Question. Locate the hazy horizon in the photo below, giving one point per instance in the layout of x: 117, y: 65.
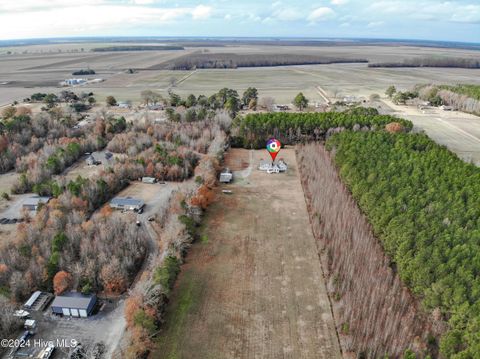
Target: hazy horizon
x: 452, y: 21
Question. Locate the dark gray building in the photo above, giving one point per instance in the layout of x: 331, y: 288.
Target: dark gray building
x: 74, y: 304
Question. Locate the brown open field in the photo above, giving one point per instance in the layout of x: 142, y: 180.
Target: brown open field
x: 253, y: 286
x: 40, y: 70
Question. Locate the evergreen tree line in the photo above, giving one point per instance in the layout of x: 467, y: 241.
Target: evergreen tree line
x: 423, y: 203
x: 376, y: 316
x: 253, y: 130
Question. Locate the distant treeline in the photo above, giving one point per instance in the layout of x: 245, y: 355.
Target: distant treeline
x: 464, y: 98
x: 83, y: 72
x: 432, y: 62
x: 233, y: 61
x: 137, y: 48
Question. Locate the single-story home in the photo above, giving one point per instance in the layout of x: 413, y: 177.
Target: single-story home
x: 32, y: 203
x: 74, y: 304
x: 127, y: 203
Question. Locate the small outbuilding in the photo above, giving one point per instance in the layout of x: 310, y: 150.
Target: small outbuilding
x: 38, y: 301
x: 127, y: 203
x: 226, y: 176
x: 32, y: 203
x: 150, y: 180
x: 73, y: 304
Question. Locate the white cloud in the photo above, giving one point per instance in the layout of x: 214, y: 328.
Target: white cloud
x: 375, y: 24
x: 201, y: 12
x: 143, y: 2
x: 228, y: 17
x: 38, y: 5
x: 287, y: 14
x: 429, y: 10
x: 338, y: 2
x: 321, y: 14
x: 91, y: 19
x: 345, y: 24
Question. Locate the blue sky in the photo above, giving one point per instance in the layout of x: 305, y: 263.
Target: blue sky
x: 407, y: 19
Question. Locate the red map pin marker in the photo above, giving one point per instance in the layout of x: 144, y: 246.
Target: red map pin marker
x: 273, y: 147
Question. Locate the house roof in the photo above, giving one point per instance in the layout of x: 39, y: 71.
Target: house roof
x: 73, y: 300
x: 35, y: 200
x: 126, y: 201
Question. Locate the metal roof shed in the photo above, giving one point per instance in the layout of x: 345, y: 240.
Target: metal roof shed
x: 32, y: 299
x: 32, y: 203
x: 74, y: 304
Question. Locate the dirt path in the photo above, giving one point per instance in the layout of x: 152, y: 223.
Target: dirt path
x: 323, y: 94
x: 253, y: 286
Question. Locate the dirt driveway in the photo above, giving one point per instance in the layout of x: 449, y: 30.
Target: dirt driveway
x: 252, y: 287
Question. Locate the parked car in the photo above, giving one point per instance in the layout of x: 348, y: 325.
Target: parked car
x: 48, y: 351
x: 23, y: 314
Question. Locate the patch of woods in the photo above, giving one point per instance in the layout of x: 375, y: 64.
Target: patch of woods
x: 137, y: 48
x: 145, y: 308
x: 252, y: 130
x: 423, y: 204
x: 37, y: 167
x: 8, y: 322
x: 462, y: 97
x: 193, y: 108
x: 22, y: 133
x: 454, y: 62
x: 95, y: 253
x: 465, y: 98
x: 375, y: 314
x: 100, y: 250
x: 232, y: 61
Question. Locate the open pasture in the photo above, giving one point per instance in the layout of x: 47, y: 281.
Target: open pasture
x: 41, y: 68
x: 253, y: 286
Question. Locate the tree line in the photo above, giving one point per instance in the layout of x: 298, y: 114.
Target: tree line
x: 375, y: 318
x: 465, y: 98
x: 423, y: 203
x: 466, y: 63
x: 252, y: 130
x: 233, y: 61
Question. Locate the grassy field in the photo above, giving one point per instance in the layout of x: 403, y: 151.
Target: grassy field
x: 40, y: 69
x: 253, y: 286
